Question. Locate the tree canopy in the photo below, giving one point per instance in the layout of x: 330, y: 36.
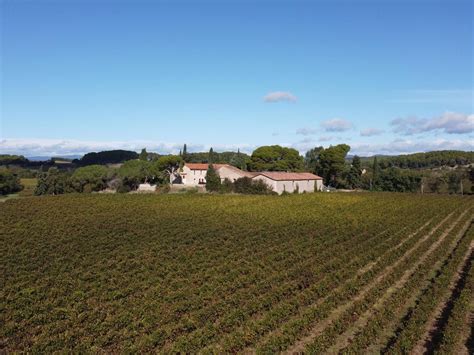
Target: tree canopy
x: 89, y: 178
x: 6, y: 159
x: 167, y: 167
x: 276, y: 158
x: 53, y: 182
x: 332, y: 162
x: 107, y: 157
x: 432, y: 159
x: 135, y: 172
x: 143, y: 155
x: 9, y: 182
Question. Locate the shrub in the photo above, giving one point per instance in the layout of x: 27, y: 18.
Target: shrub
x: 9, y: 183
x: 123, y: 188
x: 163, y: 189
x: 246, y: 185
x: 227, y: 186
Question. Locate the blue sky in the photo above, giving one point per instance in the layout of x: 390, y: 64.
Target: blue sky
x: 383, y: 76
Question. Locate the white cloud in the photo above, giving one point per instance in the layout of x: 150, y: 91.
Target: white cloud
x: 449, y: 122
x: 279, y: 96
x: 56, y: 147
x: 336, y: 125
x: 395, y: 147
x: 369, y: 132
x: 306, y: 131
x: 407, y: 146
x: 326, y: 138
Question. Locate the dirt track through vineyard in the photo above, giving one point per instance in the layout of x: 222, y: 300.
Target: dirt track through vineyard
x: 300, y: 346
x: 422, y: 345
x: 363, y: 270
x: 345, y: 339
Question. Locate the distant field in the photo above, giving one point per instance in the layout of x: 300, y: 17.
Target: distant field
x: 352, y: 273
x: 29, y: 187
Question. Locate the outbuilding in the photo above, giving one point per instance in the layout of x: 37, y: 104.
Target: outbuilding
x: 195, y: 173
x: 291, y: 182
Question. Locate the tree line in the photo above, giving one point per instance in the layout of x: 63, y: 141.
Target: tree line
x: 331, y: 163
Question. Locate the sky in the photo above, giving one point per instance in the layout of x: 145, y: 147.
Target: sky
x: 385, y: 77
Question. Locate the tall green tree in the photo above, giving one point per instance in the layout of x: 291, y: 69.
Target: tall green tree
x: 276, y: 158
x: 143, y: 155
x: 9, y: 183
x: 54, y: 182
x: 355, y: 173
x: 89, y: 178
x: 333, y: 162
x: 311, y: 160
x: 239, y: 160
x: 166, y: 168
x: 454, y: 182
x: 213, y: 180
x: 212, y: 157
x: 184, y: 154
x: 356, y: 163
x: 375, y: 174
x: 135, y: 172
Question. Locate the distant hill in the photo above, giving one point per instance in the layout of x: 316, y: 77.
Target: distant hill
x: 107, y: 157
x: 45, y: 158
x: 432, y: 159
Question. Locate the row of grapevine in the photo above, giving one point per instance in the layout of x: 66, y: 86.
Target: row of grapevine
x: 203, y: 273
x: 305, y: 321
x: 421, y: 261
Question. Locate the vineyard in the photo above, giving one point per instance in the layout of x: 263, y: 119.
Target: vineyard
x: 337, y: 273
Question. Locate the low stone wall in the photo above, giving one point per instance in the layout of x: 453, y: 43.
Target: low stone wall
x: 146, y: 188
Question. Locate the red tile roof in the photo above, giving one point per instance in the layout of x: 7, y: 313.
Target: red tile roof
x: 203, y: 166
x: 284, y: 176
x: 273, y: 175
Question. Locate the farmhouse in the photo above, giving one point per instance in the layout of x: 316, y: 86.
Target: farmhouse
x: 194, y: 174
x: 290, y: 182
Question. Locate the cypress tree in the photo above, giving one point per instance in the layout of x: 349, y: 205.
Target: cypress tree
x: 213, y: 180
x: 211, y: 156
x: 375, y: 173
x: 185, y: 152
x: 143, y: 155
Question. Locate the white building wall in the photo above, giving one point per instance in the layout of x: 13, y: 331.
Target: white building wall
x: 290, y: 185
x: 319, y: 185
x: 193, y: 177
x: 229, y: 173
x: 146, y: 188
x: 269, y: 182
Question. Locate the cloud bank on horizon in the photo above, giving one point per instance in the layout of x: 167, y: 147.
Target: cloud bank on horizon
x: 450, y: 122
